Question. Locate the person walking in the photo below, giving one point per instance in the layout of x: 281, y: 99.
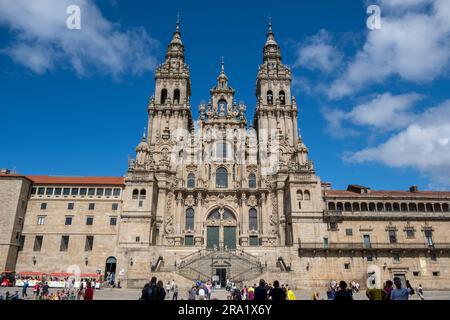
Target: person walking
x: 160, y: 292
x: 175, y: 293
x: 409, y: 288
x: 419, y: 291
x: 343, y: 294
x: 399, y: 293
x: 168, y: 288
x: 89, y: 292
x: 24, y: 289
x: 261, y: 291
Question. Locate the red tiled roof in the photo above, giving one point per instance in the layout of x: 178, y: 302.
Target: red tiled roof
x: 68, y: 180
x: 387, y: 193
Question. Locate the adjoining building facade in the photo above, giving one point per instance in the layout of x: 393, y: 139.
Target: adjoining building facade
x: 224, y: 199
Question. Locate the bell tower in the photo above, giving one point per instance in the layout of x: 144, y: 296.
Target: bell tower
x: 169, y: 108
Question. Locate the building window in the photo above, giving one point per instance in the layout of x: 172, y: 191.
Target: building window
x: 221, y: 178
x: 91, y: 206
x: 58, y: 191
x: 396, y: 257
x: 116, y: 192
x: 191, y: 180
x: 332, y: 226
x: 66, y: 191
x: 189, y: 219
x: 41, y: 191
x: 113, y: 221
x: 254, y: 241
x: 115, y: 207
x: 433, y: 257
x: 269, y: 97
x: 138, y: 239
x: 41, y: 220
x: 64, y: 243
x: 429, y: 237
x: 253, y: 219
x: 252, y: 181
x: 43, y: 206
x: 221, y: 151
x: 392, y: 236
x: 74, y: 191
x: 108, y: 192
x: 307, y: 196
x: 91, y: 192
x: 83, y: 191
x: 416, y: 273
x: 163, y: 96
x: 141, y: 203
x: 89, y: 244
x: 366, y: 241
x: 142, y: 194
x: 33, y: 190
x: 410, y: 233
x: 189, y: 240
x: 347, y: 266
x: 135, y: 195
x: 176, y: 96
x: 70, y: 206
x: 348, y: 232
x: 282, y: 96
x: 100, y: 191
x: 68, y: 221
x: 436, y: 273
x: 369, y: 258
x: 49, y: 192
x: 38, y: 243
x: 326, y: 243
x: 89, y: 221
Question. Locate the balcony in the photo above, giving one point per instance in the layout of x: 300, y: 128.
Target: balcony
x: 359, y: 246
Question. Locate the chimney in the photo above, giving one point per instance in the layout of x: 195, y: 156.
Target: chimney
x: 413, y: 189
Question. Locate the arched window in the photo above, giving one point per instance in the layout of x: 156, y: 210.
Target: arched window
x: 445, y: 207
x: 356, y: 206
x: 307, y: 196
x: 412, y: 207
x: 364, y: 206
x: 221, y: 151
x: 421, y: 207
x: 163, y: 96
x: 331, y: 206
x: 221, y: 178
x: 299, y: 195
x: 189, y: 219
x: 176, y: 96
x: 404, y: 207
x: 437, y: 207
x: 142, y: 194
x: 388, y: 207
x: 282, y: 96
x: 371, y: 206
x: 348, y: 206
x: 339, y: 206
x: 222, y: 105
x: 253, y: 219
x: 396, y: 207
x: 191, y: 180
x: 252, y: 181
x: 269, y: 97
x: 380, y: 206
x: 429, y: 207
x: 135, y: 194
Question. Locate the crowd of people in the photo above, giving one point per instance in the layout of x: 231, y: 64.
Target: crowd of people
x: 265, y: 291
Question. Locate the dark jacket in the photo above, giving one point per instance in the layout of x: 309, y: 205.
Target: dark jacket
x: 151, y: 292
x: 160, y: 294
x: 277, y: 294
x: 260, y: 294
x: 343, y: 295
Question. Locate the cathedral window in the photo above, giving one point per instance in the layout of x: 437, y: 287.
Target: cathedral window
x: 348, y: 206
x: 282, y: 96
x: 364, y: 206
x: 404, y: 207
x: 221, y: 151
x: 176, y: 96
x: 380, y: 206
x: 163, y: 96
x: 445, y: 207
x: 253, y: 219
x: 356, y: 206
x: 142, y: 194
x: 412, y: 207
x: 437, y: 207
x: 189, y: 219
x: 135, y: 194
x: 306, y: 195
x: 300, y: 195
x: 221, y: 178
x: 269, y: 97
x: 191, y: 180
x: 331, y: 205
x: 339, y: 206
x: 252, y: 181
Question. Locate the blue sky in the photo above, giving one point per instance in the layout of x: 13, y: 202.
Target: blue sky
x: 374, y: 104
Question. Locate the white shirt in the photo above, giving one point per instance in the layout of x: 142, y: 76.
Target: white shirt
x: 201, y: 292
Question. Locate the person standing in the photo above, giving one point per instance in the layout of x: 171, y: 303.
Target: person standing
x: 175, y: 293
x: 399, y: 293
x: 24, y: 289
x: 277, y: 293
x: 261, y: 291
x: 290, y: 293
x: 192, y: 293
x: 409, y: 288
x: 201, y: 293
x: 388, y: 289
x: 89, y: 292
x: 160, y: 292
x: 343, y: 294
x: 251, y: 292
x: 419, y: 291
x: 151, y: 290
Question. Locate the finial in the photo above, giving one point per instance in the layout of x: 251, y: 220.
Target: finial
x: 270, y: 23
x: 143, y: 135
x: 178, y: 21
x: 222, y: 62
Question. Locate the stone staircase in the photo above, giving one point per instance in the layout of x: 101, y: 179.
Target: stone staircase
x: 201, y: 265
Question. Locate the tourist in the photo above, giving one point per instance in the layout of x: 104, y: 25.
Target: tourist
x: 192, y: 293
x: 151, y: 289
x: 201, y: 293
x: 24, y: 289
x: 175, y: 293
x: 144, y: 292
x: 399, y: 293
x: 331, y: 291
x: 168, y: 288
x: 45, y: 289
x: 251, y: 292
x: 290, y: 293
x: 343, y: 294
x: 160, y: 292
x: 261, y: 291
x: 374, y: 293
x: 388, y: 287
x: 209, y: 289
x: 419, y: 291
x: 277, y: 293
x: 409, y: 288
x: 244, y: 293
x: 89, y: 292
x: 315, y: 295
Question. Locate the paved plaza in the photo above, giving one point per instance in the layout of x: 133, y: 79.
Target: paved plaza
x: 221, y: 294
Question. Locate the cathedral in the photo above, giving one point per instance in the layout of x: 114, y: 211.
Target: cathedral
x: 222, y: 198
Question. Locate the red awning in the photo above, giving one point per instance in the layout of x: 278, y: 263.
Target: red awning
x: 31, y: 273
x: 89, y: 275
x: 60, y: 274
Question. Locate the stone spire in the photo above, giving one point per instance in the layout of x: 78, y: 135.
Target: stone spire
x: 271, y: 49
x: 176, y: 47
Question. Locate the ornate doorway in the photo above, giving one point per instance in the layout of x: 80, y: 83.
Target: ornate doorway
x: 221, y: 230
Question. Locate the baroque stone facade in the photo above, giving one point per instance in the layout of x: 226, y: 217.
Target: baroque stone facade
x: 221, y: 199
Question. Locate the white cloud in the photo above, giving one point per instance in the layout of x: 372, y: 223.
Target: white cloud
x: 318, y: 53
x: 42, y: 42
x: 384, y: 112
x: 412, y: 44
x: 423, y: 145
